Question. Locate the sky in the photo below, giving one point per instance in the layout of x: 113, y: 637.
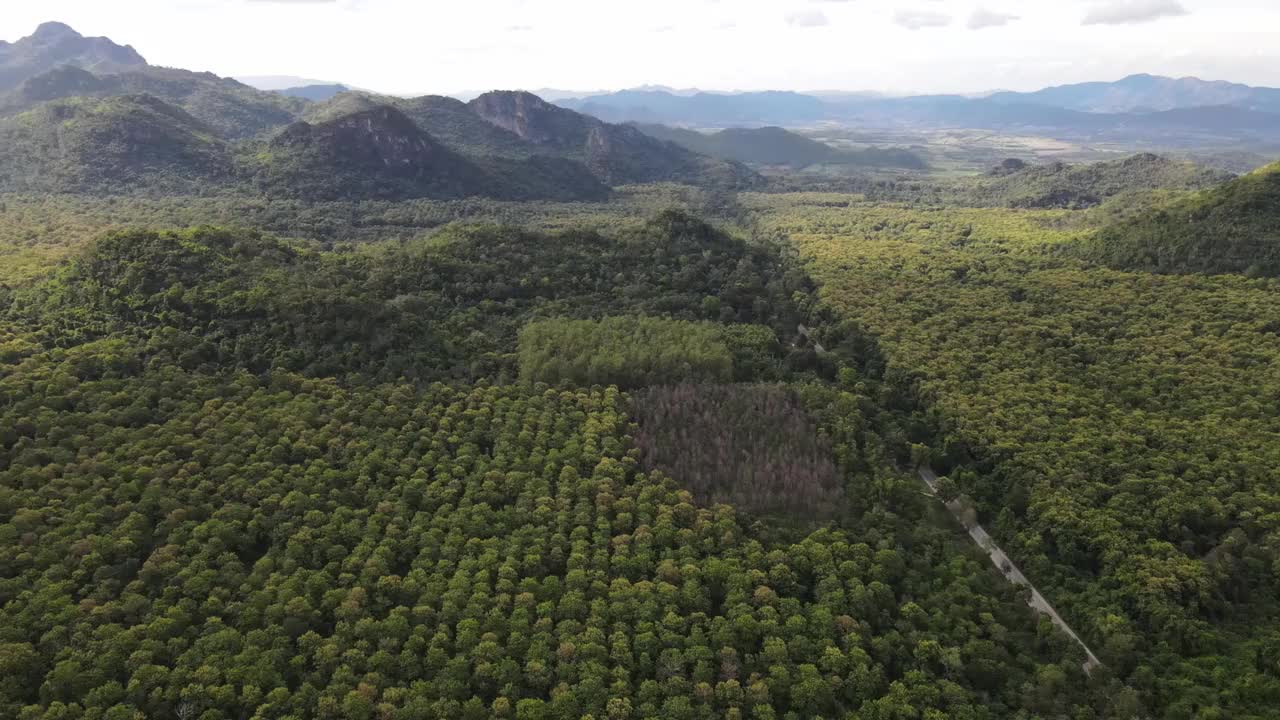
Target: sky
x: 913, y: 46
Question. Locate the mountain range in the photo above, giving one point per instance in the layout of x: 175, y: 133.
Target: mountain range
x: 1147, y: 93
x: 132, y: 127
x: 81, y: 114
x: 1137, y: 108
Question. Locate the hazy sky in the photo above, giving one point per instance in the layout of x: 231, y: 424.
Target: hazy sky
x: 412, y: 46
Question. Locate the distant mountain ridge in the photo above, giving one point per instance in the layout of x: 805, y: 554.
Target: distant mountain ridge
x: 1147, y: 93
x: 54, y: 44
x: 275, y: 83
x: 1138, y: 107
x: 775, y: 146
x: 703, y: 108
x: 314, y: 93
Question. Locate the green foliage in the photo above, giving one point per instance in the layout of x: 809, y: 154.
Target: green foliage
x: 36, y: 231
x: 235, y: 545
x: 228, y: 488
x: 1234, y: 228
x: 1015, y: 184
x: 110, y: 146
x: 1115, y: 430
x: 450, y: 306
x: 625, y: 351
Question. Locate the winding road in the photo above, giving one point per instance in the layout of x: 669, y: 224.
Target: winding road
x: 1010, y: 570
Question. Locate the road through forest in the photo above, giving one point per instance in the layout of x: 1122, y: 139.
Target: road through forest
x: 1008, y: 568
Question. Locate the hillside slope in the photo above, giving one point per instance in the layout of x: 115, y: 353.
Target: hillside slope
x: 617, y: 154
x: 110, y: 145
x: 458, y: 125
x: 446, y: 119
x: 382, y: 153
x: 1233, y: 228
x: 231, y: 108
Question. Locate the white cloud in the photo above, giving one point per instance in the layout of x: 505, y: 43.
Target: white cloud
x: 1125, y: 12
x: 808, y: 19
x: 382, y: 46
x: 983, y: 18
x: 919, y: 19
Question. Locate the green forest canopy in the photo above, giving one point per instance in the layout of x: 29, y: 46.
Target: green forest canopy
x: 200, y: 520
x: 1117, y: 430
x: 625, y: 351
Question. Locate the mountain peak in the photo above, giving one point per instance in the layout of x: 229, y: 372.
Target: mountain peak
x: 54, y: 44
x: 54, y: 31
x: 1142, y: 77
x: 512, y: 98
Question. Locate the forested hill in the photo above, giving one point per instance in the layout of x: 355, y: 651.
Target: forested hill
x: 142, y: 145
x: 235, y: 110
x: 382, y: 153
x: 111, y: 145
x: 1233, y: 228
x: 235, y: 297
x: 1058, y: 185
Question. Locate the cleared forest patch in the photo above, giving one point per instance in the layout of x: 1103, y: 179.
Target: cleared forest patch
x: 751, y: 446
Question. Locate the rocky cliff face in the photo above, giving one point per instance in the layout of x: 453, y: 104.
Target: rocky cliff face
x: 533, y: 119
x: 54, y: 44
